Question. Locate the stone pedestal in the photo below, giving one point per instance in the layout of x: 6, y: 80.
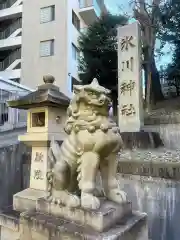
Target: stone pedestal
x: 100, y: 220
x: 48, y: 221
x: 38, y: 226
x: 26, y: 199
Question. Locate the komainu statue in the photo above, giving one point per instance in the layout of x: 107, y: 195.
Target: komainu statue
x: 90, y: 148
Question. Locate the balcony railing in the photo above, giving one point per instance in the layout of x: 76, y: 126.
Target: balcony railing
x: 8, y: 116
x: 10, y: 59
x: 90, y: 3
x: 10, y: 29
x: 7, y: 4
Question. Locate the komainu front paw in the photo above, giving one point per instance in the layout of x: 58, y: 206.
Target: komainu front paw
x: 65, y: 198
x: 73, y: 201
x: 116, y: 195
x: 89, y: 201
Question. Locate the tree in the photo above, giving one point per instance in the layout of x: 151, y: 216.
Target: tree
x: 173, y: 70
x: 149, y: 16
x: 98, y: 46
x: 169, y: 31
x: 174, y: 80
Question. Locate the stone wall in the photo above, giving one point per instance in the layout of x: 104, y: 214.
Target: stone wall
x: 167, y: 124
x: 169, y: 134
x: 14, y: 171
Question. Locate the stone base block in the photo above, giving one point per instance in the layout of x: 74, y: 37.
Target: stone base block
x: 26, y: 199
x: 104, y: 218
x: 39, y: 226
x: 9, y: 225
x: 10, y: 220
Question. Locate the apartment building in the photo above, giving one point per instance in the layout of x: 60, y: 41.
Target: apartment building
x: 49, y: 39
x: 39, y: 37
x: 10, y: 39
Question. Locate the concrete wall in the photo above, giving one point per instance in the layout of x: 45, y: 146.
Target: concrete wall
x: 14, y: 175
x: 160, y: 200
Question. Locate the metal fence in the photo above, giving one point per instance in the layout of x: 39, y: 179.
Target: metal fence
x: 11, y: 28
x: 7, y: 4
x: 10, y: 59
x: 10, y: 117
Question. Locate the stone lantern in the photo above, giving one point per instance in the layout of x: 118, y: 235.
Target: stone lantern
x: 45, y: 119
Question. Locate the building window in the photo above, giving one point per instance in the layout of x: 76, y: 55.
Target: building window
x: 75, y: 52
x: 47, y: 48
x: 75, y: 21
x: 47, y: 14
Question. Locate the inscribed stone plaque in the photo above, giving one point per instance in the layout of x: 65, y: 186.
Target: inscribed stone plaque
x: 130, y: 107
x: 39, y: 168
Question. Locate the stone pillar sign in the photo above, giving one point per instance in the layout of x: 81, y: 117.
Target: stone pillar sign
x: 130, y: 109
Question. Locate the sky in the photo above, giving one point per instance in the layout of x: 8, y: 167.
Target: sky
x: 115, y: 5
x: 112, y: 5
